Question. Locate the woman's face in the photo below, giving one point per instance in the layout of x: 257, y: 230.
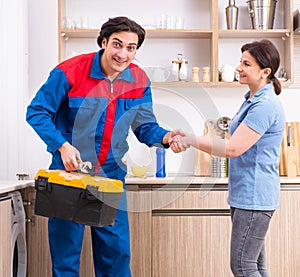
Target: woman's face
x: 250, y: 72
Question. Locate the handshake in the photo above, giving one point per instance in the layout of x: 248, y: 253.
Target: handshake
x: 178, y: 140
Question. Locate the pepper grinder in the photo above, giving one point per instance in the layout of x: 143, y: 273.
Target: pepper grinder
x: 195, y: 74
x: 205, y: 77
x: 231, y: 15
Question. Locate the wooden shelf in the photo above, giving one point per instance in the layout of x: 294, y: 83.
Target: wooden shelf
x: 93, y: 33
x: 271, y: 33
x: 79, y: 33
x: 188, y: 84
x: 196, y: 84
x: 206, y: 42
x: 209, y: 84
x: 178, y: 34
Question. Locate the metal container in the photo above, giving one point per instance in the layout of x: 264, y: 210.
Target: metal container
x: 261, y: 13
x: 218, y: 167
x: 231, y: 15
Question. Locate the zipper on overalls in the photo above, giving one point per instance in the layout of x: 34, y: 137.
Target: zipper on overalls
x: 111, y: 85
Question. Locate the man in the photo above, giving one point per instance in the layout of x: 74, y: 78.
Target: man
x: 83, y: 112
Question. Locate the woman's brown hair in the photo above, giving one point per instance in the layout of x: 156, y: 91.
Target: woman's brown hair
x: 267, y: 56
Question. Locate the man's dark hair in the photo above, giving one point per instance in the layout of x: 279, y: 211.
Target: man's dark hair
x: 121, y: 24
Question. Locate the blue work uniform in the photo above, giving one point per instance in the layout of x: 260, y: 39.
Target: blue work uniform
x: 79, y: 104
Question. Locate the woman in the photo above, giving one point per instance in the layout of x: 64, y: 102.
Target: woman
x: 253, y: 150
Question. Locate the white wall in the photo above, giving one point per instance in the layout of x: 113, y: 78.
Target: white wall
x: 43, y: 56
x: 28, y: 50
x: 14, y: 72
x: 20, y: 148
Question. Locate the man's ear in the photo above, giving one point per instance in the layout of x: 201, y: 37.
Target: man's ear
x: 104, y: 43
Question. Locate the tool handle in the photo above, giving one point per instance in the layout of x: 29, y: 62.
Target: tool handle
x: 289, y: 136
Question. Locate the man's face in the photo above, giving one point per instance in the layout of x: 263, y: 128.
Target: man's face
x: 119, y: 51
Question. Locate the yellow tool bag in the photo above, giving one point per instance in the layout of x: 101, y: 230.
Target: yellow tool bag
x: 85, y: 199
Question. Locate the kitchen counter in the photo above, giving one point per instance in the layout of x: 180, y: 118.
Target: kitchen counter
x: 190, y: 180
x: 12, y: 185
x: 190, y: 216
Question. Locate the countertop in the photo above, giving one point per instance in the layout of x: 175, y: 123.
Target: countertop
x: 12, y: 185
x: 186, y: 180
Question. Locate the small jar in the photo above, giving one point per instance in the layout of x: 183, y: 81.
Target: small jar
x: 205, y: 77
x: 195, y: 74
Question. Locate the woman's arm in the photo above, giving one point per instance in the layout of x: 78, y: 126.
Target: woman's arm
x: 241, y: 140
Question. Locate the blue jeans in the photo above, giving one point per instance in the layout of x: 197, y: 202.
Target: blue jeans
x: 247, y: 249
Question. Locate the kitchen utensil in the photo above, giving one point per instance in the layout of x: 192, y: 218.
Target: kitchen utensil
x: 228, y: 73
x: 218, y: 167
x: 204, y: 163
x: 202, y: 160
x: 262, y: 13
x: 289, y: 164
x: 205, y: 76
x: 183, y: 71
x: 85, y: 167
x: 139, y: 171
x: 195, y: 74
x: 174, y: 71
x: 231, y: 15
x: 160, y: 74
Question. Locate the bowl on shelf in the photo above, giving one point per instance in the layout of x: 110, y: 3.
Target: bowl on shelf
x: 139, y: 171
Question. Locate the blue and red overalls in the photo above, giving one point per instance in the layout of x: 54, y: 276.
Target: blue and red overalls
x: 79, y: 104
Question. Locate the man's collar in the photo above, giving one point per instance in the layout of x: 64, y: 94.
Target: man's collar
x: 97, y: 73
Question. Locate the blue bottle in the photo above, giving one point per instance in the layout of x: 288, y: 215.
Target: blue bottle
x: 160, y: 163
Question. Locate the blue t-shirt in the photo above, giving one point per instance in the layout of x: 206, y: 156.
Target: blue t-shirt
x: 254, y: 182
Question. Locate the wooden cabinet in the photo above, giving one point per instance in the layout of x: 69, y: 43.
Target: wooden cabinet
x: 139, y: 215
x: 283, y: 238
x: 176, y: 232
x: 5, y: 237
x: 203, y: 41
x: 191, y: 239
x: 38, y: 253
x: 190, y: 244
x: 190, y: 233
